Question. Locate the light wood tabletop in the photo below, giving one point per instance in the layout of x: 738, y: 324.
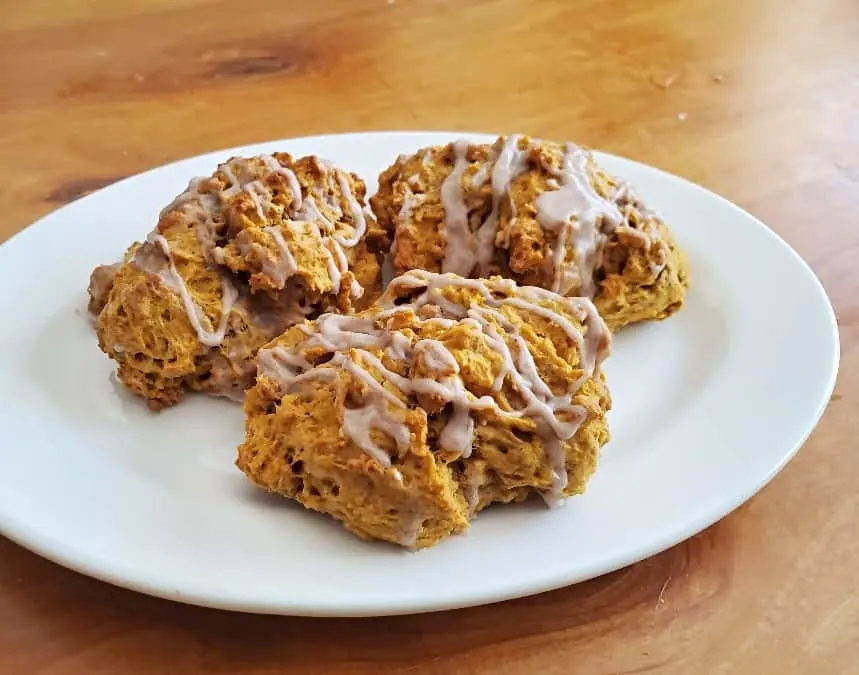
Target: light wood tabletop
x: 756, y: 100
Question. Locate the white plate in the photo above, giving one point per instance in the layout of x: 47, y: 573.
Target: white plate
x: 708, y: 407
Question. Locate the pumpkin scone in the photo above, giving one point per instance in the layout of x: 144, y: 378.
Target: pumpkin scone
x: 542, y: 213
x: 234, y: 260
x: 447, y: 395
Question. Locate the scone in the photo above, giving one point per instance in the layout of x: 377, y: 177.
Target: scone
x: 447, y: 395
x: 538, y: 212
x: 234, y: 261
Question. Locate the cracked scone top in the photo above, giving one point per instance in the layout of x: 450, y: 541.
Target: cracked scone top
x: 447, y: 395
x: 233, y: 261
x: 538, y: 212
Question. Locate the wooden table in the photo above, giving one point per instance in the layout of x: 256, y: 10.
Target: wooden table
x: 756, y: 99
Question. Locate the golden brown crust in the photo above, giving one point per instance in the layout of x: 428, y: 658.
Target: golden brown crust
x: 253, y: 248
x: 294, y: 447
x: 217, y: 238
x: 642, y: 274
x: 299, y: 444
x: 633, y: 290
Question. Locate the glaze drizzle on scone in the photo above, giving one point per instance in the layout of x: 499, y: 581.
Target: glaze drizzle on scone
x: 347, y: 340
x: 301, y: 214
x: 541, y: 213
x: 570, y: 210
x: 234, y: 260
x: 446, y: 396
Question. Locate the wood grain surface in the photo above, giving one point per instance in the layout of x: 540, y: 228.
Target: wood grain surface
x: 755, y: 99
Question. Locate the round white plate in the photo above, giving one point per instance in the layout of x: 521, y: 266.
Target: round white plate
x: 708, y: 407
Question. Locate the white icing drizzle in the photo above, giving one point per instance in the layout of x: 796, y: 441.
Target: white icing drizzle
x: 300, y: 208
x: 339, y: 255
x: 550, y: 315
x: 234, y: 186
x: 372, y: 383
x: 283, y: 366
x: 459, y: 256
x: 556, y: 416
x: 541, y: 404
x: 187, y: 196
x: 509, y: 165
x: 330, y: 196
x: 436, y: 357
x: 575, y: 212
x: 174, y: 280
x: 571, y: 210
x: 480, y: 176
x: 339, y: 332
x: 334, y: 270
x: 358, y: 422
x: 295, y: 187
x: 463, y: 250
x: 305, y: 210
x: 400, y: 347
x: 290, y: 369
x: 332, y: 244
x: 257, y: 193
x: 403, y: 215
x: 261, y: 199
x: 287, y: 267
x: 310, y: 211
x: 458, y: 433
x: 359, y: 223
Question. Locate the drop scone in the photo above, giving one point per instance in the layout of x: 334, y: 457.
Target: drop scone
x: 236, y: 259
x: 541, y: 213
x: 447, y: 395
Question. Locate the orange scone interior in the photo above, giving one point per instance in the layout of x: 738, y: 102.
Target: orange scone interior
x: 541, y: 213
x: 235, y: 260
x: 447, y: 395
